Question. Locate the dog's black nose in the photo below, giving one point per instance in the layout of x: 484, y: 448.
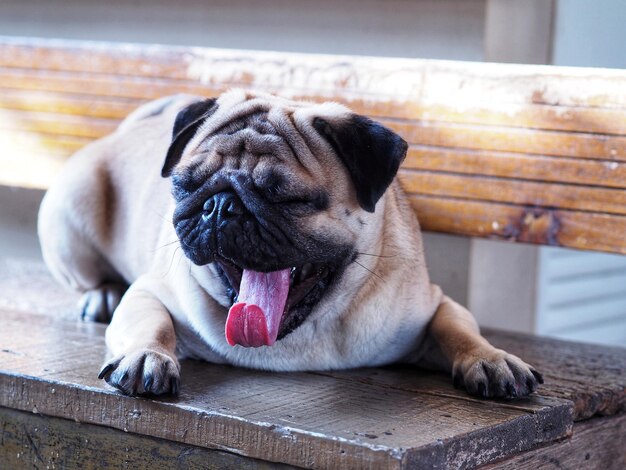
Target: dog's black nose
x: 222, y: 206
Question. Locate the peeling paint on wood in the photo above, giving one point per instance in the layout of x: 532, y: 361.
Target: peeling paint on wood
x: 576, y: 229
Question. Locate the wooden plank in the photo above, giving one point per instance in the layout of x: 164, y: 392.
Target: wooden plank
x: 597, y: 444
x: 513, y: 191
x: 63, y: 124
x: 504, y: 121
x: 600, y: 120
x: 72, y: 104
x: 581, y: 230
x: 528, y: 96
x: 564, y: 363
x: 590, y: 376
x: 603, y: 173
x: 477, y: 218
x: 518, y: 84
x: 593, y: 377
x: 299, y: 419
x: 34, y: 441
x: 507, y: 139
x: 565, y: 366
x: 440, y: 134
x: 105, y: 86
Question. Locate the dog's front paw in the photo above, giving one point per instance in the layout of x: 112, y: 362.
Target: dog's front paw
x: 144, y: 372
x: 494, y: 373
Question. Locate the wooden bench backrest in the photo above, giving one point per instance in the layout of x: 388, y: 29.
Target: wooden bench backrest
x: 527, y: 153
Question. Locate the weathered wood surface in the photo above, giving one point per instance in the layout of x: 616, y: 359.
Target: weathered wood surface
x: 32, y: 441
x: 529, y: 224
x: 527, y: 153
x: 49, y: 367
x: 376, y: 418
x: 595, y: 444
x: 27, y: 286
x: 592, y: 377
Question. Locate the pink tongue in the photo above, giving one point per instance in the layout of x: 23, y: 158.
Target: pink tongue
x: 254, y: 320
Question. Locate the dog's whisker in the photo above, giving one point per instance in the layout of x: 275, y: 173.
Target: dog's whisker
x: 161, y: 216
x: 171, y: 261
x: 369, y: 270
x: 182, y: 255
x: 166, y: 245
x: 361, y: 253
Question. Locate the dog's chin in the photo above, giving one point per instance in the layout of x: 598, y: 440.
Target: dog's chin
x: 308, y: 284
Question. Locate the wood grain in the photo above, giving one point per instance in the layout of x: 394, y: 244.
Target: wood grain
x: 541, y: 168
x: 528, y: 224
x: 514, y: 191
x: 566, y: 365
x: 597, y: 444
x: 433, y: 133
x: 523, y: 153
x: 413, y: 419
x: 560, y: 86
x: 607, y: 121
x: 593, y: 377
x: 300, y: 419
x: 35, y: 441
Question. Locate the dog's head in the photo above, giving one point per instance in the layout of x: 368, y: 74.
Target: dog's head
x: 273, y: 193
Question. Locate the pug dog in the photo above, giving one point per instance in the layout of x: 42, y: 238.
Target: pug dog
x: 260, y: 232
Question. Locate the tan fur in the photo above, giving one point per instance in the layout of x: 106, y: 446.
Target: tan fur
x: 108, y: 220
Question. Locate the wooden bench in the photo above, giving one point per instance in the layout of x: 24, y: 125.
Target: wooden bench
x: 522, y: 153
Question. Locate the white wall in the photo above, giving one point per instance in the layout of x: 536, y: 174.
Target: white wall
x: 18, y: 223
x: 590, y: 33
x: 581, y: 296
x: 450, y: 29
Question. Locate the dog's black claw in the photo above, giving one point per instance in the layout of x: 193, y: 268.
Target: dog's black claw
x: 457, y: 381
x: 174, y: 386
x: 124, y: 377
x: 510, y: 390
x: 147, y: 383
x: 537, y: 375
x: 106, y: 370
x: 482, y: 390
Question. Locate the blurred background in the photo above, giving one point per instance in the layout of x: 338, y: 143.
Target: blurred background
x: 549, y: 291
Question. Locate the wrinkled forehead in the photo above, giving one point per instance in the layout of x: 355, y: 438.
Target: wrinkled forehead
x: 269, y: 114
x: 262, y: 124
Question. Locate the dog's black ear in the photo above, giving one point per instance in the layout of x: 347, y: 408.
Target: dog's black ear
x: 371, y: 152
x: 186, y: 124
